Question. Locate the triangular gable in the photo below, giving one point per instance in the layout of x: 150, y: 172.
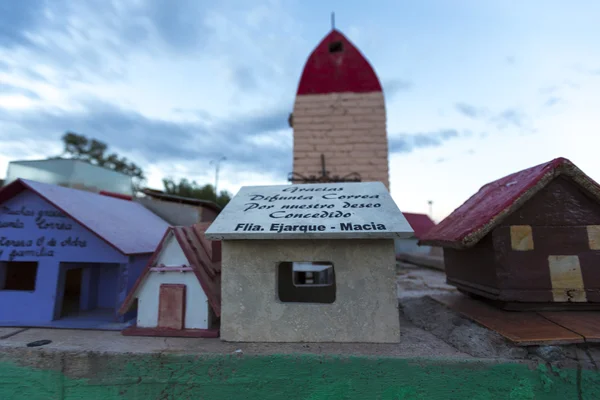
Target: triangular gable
x: 207, y: 271
x: 345, y: 71
x: 196, y: 250
x: 485, y: 210
x: 125, y: 225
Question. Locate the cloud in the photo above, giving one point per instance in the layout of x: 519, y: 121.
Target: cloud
x: 179, y: 23
x: 244, y: 78
x: 94, y: 41
x: 155, y: 140
x: 509, y: 117
x: 88, y: 39
x: 552, y: 101
x: 18, y: 19
x: 406, y: 143
x: 470, y: 111
x: 80, y: 40
x: 6, y: 88
x: 547, y: 90
x: 394, y: 86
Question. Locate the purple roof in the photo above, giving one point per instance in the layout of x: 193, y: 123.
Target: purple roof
x: 126, y: 225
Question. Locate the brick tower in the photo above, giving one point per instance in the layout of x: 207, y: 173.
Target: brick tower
x: 339, y: 117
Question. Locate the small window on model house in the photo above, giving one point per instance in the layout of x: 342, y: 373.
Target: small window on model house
x: 306, y: 282
x: 18, y: 275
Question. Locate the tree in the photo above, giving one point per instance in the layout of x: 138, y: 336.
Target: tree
x: 79, y: 147
x: 185, y: 188
x: 93, y: 151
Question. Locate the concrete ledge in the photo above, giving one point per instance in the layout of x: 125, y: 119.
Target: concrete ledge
x: 422, y: 260
x: 42, y: 374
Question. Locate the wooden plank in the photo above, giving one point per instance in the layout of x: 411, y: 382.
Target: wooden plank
x: 567, y: 280
x: 521, y: 328
x: 171, y: 306
x: 585, y: 323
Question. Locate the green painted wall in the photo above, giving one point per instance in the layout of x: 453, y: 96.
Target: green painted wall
x: 287, y: 377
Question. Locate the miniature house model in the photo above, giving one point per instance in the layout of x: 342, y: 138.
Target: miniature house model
x: 529, y: 240
x: 339, y: 117
x: 179, y: 292
x: 310, y: 263
x: 68, y: 256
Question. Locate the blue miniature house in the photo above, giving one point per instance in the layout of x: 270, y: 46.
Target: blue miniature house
x: 69, y: 257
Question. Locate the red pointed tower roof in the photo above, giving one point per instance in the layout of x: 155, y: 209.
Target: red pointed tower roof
x: 337, y: 66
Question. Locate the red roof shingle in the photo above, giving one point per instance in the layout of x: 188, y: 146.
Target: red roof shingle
x: 481, y: 213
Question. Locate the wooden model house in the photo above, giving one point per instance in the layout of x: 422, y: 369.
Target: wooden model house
x: 310, y: 263
x: 179, y: 292
x: 528, y: 240
x: 68, y: 256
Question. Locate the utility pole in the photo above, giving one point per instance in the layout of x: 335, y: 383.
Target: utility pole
x: 217, y: 164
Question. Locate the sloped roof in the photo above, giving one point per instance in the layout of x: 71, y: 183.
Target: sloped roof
x: 421, y: 223
x: 481, y: 213
x: 337, y: 72
x: 180, y: 199
x: 125, y: 225
x: 199, y: 252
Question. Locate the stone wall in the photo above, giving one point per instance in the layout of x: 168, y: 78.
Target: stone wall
x: 365, y: 307
x: 348, y: 128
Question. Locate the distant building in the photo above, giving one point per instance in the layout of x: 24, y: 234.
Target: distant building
x: 76, y: 174
x: 177, y: 210
x: 421, y: 224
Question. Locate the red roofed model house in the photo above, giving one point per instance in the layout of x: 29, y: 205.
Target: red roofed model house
x: 179, y: 292
x: 339, y: 117
x: 528, y: 240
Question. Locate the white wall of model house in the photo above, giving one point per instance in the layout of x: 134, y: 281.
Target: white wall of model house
x: 198, y: 314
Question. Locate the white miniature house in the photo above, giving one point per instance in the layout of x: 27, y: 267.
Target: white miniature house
x: 179, y: 293
x: 310, y: 263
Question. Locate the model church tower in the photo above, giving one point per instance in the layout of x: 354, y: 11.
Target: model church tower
x: 339, y: 118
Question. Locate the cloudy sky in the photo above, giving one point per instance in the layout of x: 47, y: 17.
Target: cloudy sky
x: 475, y: 89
